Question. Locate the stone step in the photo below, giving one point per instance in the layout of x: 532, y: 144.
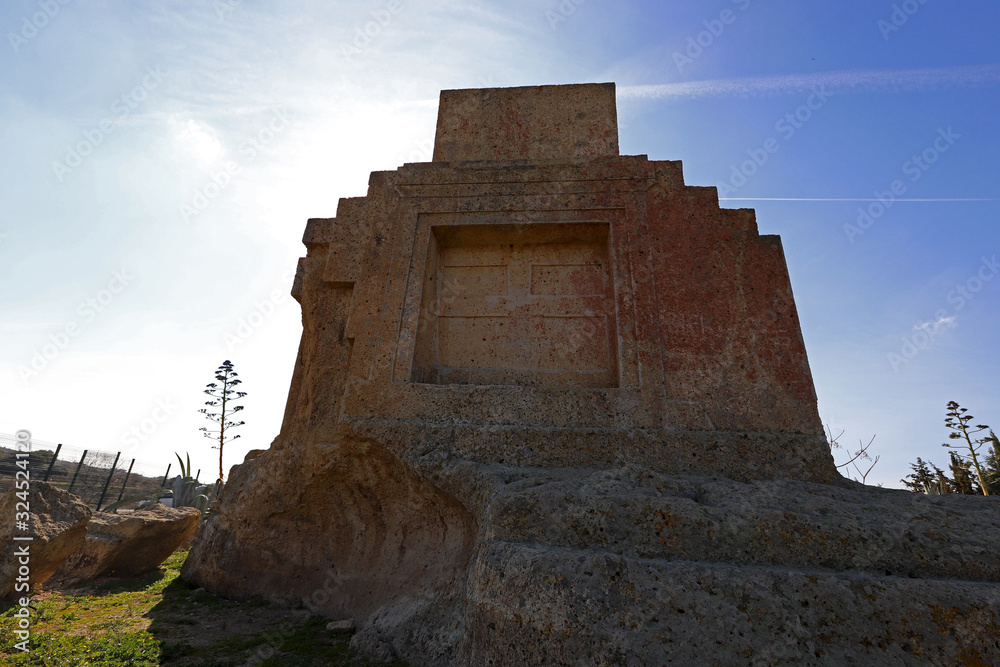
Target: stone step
x: 643, y: 514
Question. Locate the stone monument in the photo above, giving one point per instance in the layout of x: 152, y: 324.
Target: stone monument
x: 552, y: 406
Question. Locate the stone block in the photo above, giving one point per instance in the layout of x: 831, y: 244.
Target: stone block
x: 533, y: 122
x: 57, y: 523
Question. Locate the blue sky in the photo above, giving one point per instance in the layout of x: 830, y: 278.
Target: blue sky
x: 160, y: 159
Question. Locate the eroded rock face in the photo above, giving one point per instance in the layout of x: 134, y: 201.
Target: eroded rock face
x: 552, y: 407
x: 538, y: 606
x: 58, y: 523
x: 345, y: 530
x: 628, y: 566
x: 129, y: 544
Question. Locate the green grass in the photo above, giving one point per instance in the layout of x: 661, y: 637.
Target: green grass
x: 154, y: 619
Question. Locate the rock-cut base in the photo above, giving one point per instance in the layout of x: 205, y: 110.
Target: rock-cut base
x: 540, y: 606
x: 450, y: 563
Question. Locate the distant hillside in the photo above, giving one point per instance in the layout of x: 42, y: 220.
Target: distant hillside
x: 89, y: 482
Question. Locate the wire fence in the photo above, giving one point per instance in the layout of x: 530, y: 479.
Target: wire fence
x: 97, y: 477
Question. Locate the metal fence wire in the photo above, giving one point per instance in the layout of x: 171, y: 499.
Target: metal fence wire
x: 97, y: 477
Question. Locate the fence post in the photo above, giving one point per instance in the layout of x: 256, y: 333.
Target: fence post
x: 52, y: 463
x: 106, y: 483
x: 164, y: 482
x: 125, y: 483
x: 78, y: 466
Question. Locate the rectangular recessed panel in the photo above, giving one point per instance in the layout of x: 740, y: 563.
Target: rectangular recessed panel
x: 567, y: 279
x: 464, y: 281
x: 479, y: 342
x: 517, y: 304
x: 478, y: 255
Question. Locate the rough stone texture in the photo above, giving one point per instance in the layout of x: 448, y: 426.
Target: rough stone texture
x: 539, y: 606
x: 552, y: 406
x: 129, y: 544
x: 347, y: 530
x: 527, y: 123
x: 57, y: 522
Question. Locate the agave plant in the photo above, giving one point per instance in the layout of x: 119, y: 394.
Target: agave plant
x: 185, y: 490
x: 188, y: 491
x: 935, y: 488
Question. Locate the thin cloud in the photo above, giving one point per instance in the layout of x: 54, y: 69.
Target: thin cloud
x: 854, y: 81
x: 935, y: 326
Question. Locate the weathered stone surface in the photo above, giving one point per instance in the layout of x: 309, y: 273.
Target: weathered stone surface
x: 346, y: 530
x: 531, y: 605
x: 552, y: 407
x: 533, y: 122
x: 58, y: 524
x: 129, y: 544
x: 641, y: 514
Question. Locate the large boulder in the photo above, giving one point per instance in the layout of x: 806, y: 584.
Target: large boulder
x: 57, y: 523
x: 129, y: 544
x: 309, y: 531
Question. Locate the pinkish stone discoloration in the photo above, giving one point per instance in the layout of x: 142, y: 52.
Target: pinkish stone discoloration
x: 534, y: 122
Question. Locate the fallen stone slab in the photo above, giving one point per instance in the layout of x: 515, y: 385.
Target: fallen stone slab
x: 57, y: 523
x: 129, y: 544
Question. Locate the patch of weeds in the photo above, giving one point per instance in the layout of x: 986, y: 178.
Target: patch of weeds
x: 44, y: 611
x: 114, y: 624
x: 144, y: 582
x: 119, y: 649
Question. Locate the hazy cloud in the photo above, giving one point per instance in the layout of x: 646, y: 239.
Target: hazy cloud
x: 937, y: 78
